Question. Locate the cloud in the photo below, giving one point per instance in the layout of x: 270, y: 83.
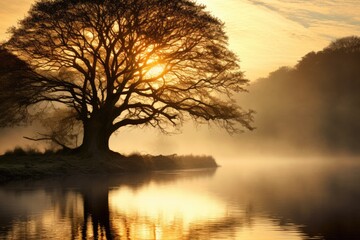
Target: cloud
x: 263, y: 38
x: 317, y: 12
x: 264, y: 34
x: 269, y: 34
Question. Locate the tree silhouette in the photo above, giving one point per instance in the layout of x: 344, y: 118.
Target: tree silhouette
x: 130, y: 63
x: 19, y: 89
x: 322, y: 99
x: 14, y: 95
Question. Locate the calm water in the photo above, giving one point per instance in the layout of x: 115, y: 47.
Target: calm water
x: 282, y: 200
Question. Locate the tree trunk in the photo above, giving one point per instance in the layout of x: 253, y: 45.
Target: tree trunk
x: 96, y: 136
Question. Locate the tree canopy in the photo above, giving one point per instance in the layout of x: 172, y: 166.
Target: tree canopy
x: 129, y: 63
x: 15, y: 78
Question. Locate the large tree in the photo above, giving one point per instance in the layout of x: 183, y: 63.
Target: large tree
x: 121, y: 63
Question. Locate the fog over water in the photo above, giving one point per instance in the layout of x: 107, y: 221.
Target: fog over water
x: 310, y: 108
x: 295, y: 177
x: 254, y: 200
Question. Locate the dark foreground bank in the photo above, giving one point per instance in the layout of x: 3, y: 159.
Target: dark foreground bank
x: 32, y: 166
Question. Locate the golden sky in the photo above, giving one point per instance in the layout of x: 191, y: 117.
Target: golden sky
x: 265, y: 34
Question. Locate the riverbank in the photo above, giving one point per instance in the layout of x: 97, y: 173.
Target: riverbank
x: 36, y: 165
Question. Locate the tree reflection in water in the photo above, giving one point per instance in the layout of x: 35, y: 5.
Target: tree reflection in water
x: 96, y: 211
x: 139, y: 209
x: 268, y: 201
x: 54, y: 209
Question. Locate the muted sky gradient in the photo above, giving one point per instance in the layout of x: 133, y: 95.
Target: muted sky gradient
x: 265, y: 34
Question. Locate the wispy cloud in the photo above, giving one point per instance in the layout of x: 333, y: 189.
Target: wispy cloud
x: 326, y: 13
x: 269, y: 34
x: 266, y: 34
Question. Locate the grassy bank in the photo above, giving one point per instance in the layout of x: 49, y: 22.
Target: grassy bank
x: 19, y: 165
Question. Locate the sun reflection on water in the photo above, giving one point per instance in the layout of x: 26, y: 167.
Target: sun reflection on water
x: 165, y: 211
x: 168, y: 206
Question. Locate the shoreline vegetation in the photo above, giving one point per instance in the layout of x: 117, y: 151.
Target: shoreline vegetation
x: 20, y: 164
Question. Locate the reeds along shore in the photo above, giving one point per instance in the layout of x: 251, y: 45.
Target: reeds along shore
x: 21, y: 164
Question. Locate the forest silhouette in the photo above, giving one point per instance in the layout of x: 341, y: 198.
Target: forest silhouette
x: 83, y: 77
x: 314, y: 104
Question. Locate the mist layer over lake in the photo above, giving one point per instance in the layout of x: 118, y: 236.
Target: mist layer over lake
x: 255, y: 200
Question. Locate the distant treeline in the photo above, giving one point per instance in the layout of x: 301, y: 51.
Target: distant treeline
x: 314, y: 104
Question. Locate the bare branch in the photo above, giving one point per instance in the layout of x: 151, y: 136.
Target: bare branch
x: 52, y: 139
x: 131, y: 62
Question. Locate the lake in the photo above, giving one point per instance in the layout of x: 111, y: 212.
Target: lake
x: 252, y: 200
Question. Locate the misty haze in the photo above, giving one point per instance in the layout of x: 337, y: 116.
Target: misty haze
x: 189, y: 119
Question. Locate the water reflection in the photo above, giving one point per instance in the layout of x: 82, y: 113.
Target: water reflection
x: 168, y: 212
x: 274, y: 201
x: 96, y: 211
x: 320, y: 199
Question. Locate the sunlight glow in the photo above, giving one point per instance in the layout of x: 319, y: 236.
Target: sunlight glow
x: 156, y: 71
x: 264, y: 229
x: 160, y: 212
x: 185, y: 211
x: 167, y: 203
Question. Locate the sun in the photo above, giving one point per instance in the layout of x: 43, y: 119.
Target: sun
x: 156, y: 71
